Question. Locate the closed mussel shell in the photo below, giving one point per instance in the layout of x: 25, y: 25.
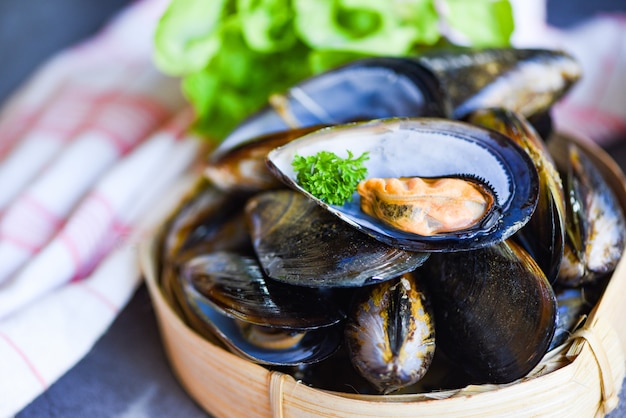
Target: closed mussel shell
x: 595, y: 224
x: 528, y: 81
x: 207, y: 219
x: 494, y: 309
x: 573, y: 306
x: 228, y: 296
x: 390, y: 333
x: 243, y: 167
x: 235, y: 285
x: 543, y: 235
x: 299, y: 243
x: 365, y: 89
x: 199, y: 221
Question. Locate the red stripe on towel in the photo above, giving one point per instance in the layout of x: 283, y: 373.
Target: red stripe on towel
x: 24, y: 357
x: 100, y: 296
x: 126, y: 120
x: 28, y: 222
x: 95, y: 210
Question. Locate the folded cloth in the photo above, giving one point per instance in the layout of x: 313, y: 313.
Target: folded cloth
x: 42, y: 135
x: 103, y: 216
x: 118, y: 125
x: 43, y: 340
x: 90, y: 149
x: 32, y: 99
x: 596, y: 107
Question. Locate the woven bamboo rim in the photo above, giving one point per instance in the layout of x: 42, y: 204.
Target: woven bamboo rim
x: 582, y: 378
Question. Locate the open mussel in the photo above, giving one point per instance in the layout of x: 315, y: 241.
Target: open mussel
x: 595, y: 225
x: 264, y: 321
x: 543, y: 236
x: 495, y: 312
x: 390, y: 333
x: 300, y: 243
x: 430, y: 149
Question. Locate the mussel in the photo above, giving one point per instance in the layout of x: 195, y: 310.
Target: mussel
x: 595, y: 225
x: 543, y: 236
x: 300, y: 243
x: 427, y: 148
x: 243, y: 166
x: 447, y: 83
x: 527, y: 81
x: 265, y: 321
x: 208, y: 219
x: 495, y: 312
x: 573, y: 305
x: 390, y: 333
x: 369, y: 88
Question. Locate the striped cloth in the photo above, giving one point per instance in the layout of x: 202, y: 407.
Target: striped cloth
x: 91, y: 150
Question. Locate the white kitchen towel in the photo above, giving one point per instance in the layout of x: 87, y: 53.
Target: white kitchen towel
x: 104, y: 215
x: 124, y: 120
x: 90, y: 149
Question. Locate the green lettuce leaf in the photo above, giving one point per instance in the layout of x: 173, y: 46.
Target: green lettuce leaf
x: 370, y: 27
x: 267, y: 24
x: 186, y: 36
x: 485, y: 23
x: 231, y: 55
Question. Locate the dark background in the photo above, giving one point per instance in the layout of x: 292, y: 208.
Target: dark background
x: 126, y: 374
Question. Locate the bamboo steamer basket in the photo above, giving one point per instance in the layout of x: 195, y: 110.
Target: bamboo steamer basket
x: 582, y: 378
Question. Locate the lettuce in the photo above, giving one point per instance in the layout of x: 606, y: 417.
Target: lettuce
x: 231, y: 55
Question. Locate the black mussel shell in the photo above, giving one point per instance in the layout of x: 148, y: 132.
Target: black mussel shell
x: 595, y: 224
x: 235, y: 286
x: 300, y: 243
x: 528, y: 81
x: 243, y: 167
x: 390, y: 333
x: 314, y: 346
x: 495, y: 312
x: 369, y: 88
x: 543, y: 236
x: 207, y: 220
x: 573, y: 305
x: 430, y: 148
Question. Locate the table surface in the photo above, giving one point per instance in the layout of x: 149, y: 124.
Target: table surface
x: 126, y: 374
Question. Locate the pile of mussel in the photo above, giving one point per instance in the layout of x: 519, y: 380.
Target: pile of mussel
x: 475, y: 245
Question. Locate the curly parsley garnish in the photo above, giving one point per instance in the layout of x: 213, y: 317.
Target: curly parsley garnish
x: 329, y: 177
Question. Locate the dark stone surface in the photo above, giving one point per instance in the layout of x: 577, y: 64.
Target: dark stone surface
x: 32, y: 30
x: 567, y: 13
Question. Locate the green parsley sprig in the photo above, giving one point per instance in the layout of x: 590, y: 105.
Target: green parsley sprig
x: 329, y: 177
